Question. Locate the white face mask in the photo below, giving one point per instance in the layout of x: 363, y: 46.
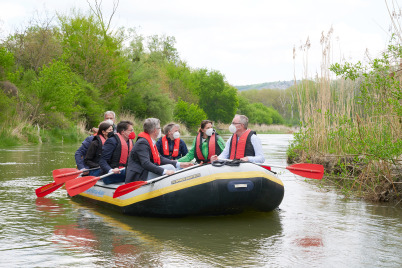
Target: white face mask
x: 160, y: 134
x: 232, y: 128
x: 209, y: 131
x: 110, y: 121
x: 176, y: 135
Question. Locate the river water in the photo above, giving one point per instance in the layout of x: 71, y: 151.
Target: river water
x: 313, y: 227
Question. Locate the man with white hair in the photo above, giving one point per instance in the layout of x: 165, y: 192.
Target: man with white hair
x: 244, y: 143
x: 145, y: 162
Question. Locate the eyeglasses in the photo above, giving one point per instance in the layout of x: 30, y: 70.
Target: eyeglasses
x: 235, y: 123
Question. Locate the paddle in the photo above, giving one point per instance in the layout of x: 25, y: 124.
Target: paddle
x: 129, y: 187
x: 311, y: 171
x: 82, y: 184
x: 47, y: 189
x: 65, y: 174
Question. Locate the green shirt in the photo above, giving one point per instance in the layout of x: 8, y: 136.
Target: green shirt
x: 204, y: 149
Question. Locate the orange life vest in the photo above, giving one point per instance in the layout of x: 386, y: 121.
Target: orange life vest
x: 238, y: 147
x: 125, y: 150
x: 211, y: 147
x: 155, y: 154
x: 165, y: 146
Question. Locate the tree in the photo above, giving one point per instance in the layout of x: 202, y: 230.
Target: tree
x: 217, y: 98
x: 190, y: 114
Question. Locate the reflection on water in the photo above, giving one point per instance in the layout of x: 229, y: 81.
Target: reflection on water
x: 313, y: 227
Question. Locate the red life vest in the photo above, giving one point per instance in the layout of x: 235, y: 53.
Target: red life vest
x: 238, y: 147
x: 211, y: 147
x: 165, y: 146
x: 155, y: 154
x: 125, y: 150
x: 102, y: 139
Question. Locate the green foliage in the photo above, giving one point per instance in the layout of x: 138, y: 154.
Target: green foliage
x: 36, y: 46
x: 258, y: 113
x: 95, y: 54
x: 283, y: 101
x: 217, y: 98
x: 7, y: 108
x: 6, y: 62
x: 189, y: 114
x: 56, y: 93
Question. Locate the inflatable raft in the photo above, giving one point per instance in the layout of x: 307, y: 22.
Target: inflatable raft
x: 199, y: 190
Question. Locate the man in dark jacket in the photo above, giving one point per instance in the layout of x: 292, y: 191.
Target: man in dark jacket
x: 115, y: 152
x: 145, y: 162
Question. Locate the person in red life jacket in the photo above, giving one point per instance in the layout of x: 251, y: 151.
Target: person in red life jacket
x: 170, y: 145
x: 115, y: 152
x: 94, y: 152
x: 145, y: 162
x: 244, y: 143
x: 205, y: 145
x: 83, y: 149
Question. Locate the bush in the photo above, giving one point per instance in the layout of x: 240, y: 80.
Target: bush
x: 189, y: 114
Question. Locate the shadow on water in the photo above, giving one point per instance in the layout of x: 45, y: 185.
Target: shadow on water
x: 228, y: 240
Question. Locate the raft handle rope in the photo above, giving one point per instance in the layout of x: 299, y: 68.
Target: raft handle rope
x: 234, y: 163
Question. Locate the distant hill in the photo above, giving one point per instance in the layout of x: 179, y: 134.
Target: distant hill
x: 268, y: 85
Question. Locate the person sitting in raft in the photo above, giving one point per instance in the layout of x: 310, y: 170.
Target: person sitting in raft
x: 145, y: 162
x: 244, y: 143
x: 83, y: 149
x: 170, y: 145
x: 115, y: 152
x: 94, y: 152
x: 205, y: 145
x: 108, y: 116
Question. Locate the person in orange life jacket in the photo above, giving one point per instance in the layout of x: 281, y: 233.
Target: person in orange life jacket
x: 94, y: 152
x: 145, y: 162
x: 206, y: 144
x: 244, y: 143
x: 170, y: 145
x: 115, y: 152
x: 82, y: 150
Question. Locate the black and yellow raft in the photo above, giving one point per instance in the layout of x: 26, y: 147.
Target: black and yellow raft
x: 199, y: 190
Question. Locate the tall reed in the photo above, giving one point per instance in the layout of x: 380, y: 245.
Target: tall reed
x: 354, y: 121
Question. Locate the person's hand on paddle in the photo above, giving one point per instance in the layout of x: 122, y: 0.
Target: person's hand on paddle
x: 186, y: 164
x: 214, y: 158
x: 245, y: 159
x: 115, y: 171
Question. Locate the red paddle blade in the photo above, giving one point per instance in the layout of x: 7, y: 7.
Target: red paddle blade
x: 80, y: 185
x: 312, y: 171
x: 129, y: 187
x: 47, y: 189
x: 266, y: 167
x: 65, y: 174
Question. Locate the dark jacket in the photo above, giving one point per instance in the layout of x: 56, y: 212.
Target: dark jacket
x: 140, y: 162
x: 94, y: 153
x: 182, y: 148
x: 82, y: 151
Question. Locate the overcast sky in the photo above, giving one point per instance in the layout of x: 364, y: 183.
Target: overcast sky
x: 249, y: 41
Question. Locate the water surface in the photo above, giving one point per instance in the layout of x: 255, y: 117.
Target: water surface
x: 313, y: 227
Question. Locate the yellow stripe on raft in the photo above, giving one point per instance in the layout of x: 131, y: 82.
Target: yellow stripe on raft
x: 183, y: 185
